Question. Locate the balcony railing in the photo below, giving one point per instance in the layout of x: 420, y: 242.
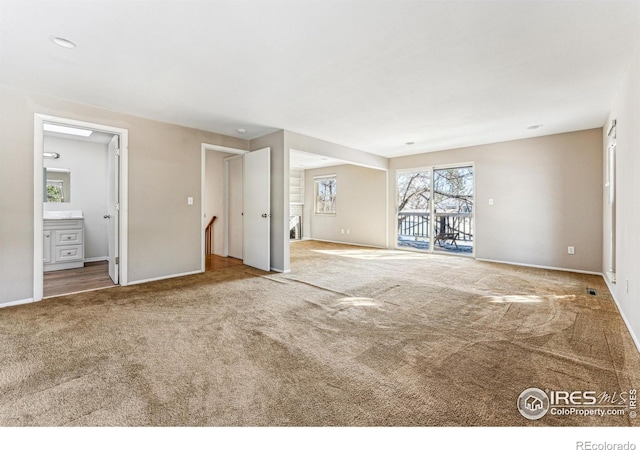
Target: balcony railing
x: 453, y: 231
x: 412, y: 224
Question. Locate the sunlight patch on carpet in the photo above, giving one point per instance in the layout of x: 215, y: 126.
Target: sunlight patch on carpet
x: 357, y: 301
x: 526, y: 298
x: 375, y: 254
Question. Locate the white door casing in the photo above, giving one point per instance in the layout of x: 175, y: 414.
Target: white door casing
x: 38, y: 222
x: 256, y: 206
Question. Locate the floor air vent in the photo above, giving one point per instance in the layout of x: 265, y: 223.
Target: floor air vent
x: 592, y: 291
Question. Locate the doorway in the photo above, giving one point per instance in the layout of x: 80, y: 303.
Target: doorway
x: 246, y: 185
x: 222, y: 207
x: 80, y: 223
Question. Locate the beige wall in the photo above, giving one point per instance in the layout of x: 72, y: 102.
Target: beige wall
x: 360, y: 206
x: 164, y: 169
x: 626, y: 111
x: 547, y: 196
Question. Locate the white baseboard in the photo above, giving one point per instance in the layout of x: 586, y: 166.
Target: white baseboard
x: 17, y: 302
x: 535, y: 266
x: 165, y: 277
x: 96, y: 259
x: 346, y: 243
x: 624, y: 318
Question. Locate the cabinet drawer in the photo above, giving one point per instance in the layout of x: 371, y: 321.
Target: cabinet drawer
x: 69, y: 253
x: 65, y: 237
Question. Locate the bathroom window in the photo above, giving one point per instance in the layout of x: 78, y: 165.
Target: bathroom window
x: 55, y: 191
x: 57, y: 185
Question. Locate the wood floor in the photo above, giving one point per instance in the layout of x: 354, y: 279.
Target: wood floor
x: 94, y: 275
x: 215, y: 262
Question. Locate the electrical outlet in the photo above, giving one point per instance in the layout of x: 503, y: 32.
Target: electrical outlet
x: 348, y: 231
x: 342, y: 231
x: 571, y: 250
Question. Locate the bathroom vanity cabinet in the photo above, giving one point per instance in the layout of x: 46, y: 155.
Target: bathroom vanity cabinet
x: 63, y: 244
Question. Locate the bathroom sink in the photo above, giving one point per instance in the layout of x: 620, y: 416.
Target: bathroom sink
x: 63, y: 214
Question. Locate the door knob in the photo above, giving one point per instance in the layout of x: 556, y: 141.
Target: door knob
x: 107, y: 216
x: 264, y: 215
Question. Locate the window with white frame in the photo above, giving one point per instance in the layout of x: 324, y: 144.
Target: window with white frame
x: 325, y: 194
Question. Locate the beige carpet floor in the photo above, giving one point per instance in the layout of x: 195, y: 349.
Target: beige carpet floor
x: 352, y: 337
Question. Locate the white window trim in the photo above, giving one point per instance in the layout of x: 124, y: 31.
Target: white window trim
x: 315, y: 194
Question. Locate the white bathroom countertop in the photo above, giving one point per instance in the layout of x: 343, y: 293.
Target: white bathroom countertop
x: 48, y: 215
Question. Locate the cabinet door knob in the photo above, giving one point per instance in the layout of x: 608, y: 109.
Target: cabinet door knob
x: 107, y: 216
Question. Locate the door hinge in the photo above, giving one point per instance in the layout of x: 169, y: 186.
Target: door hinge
x: 117, y: 152
x: 117, y: 206
x: 117, y: 260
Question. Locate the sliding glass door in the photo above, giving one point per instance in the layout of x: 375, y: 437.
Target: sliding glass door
x: 453, y: 210
x: 414, y: 209
x: 435, y: 209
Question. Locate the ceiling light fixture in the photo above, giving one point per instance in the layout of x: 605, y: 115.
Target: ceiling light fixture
x: 62, y: 42
x: 67, y: 130
x: 241, y: 130
x: 534, y: 127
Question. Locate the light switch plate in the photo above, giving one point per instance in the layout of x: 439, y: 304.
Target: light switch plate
x: 189, y: 200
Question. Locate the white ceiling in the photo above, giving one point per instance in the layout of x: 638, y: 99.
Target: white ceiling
x: 370, y: 75
x: 96, y: 137
x: 300, y: 160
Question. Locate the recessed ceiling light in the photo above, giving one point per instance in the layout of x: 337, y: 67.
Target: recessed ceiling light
x: 67, y: 130
x: 534, y: 127
x: 62, y: 42
x: 409, y: 143
x: 241, y: 130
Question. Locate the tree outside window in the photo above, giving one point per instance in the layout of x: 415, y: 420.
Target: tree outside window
x: 325, y: 194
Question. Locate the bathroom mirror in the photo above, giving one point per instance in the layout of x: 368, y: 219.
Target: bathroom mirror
x: 57, y: 185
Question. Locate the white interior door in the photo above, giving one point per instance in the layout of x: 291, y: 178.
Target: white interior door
x: 112, y: 206
x: 256, y: 193
x: 235, y: 208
